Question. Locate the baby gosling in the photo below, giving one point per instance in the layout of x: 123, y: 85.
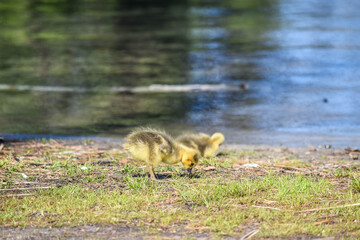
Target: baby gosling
x: 205, y: 144
x: 153, y: 147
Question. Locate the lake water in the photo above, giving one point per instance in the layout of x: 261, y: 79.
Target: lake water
x: 299, y: 59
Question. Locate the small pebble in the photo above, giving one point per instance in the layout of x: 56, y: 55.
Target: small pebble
x: 24, y: 176
x: 251, y: 165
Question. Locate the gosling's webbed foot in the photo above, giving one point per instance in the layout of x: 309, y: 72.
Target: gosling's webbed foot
x: 152, y: 174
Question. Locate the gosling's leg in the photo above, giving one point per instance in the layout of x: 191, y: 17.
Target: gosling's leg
x: 151, y: 172
x: 189, y: 172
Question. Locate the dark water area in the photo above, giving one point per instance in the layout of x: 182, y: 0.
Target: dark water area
x: 299, y: 59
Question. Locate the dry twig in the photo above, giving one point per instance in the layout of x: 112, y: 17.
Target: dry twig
x: 287, y: 167
x: 17, y: 195
x: 272, y: 208
x: 322, y: 201
x: 250, y: 234
x: 23, y: 189
x: 319, y: 209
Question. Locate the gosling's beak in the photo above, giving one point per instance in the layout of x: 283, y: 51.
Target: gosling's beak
x: 189, y: 171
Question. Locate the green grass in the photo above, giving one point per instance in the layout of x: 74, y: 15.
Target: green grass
x: 207, y: 202
x: 223, y: 201
x: 341, y: 173
x: 355, y: 185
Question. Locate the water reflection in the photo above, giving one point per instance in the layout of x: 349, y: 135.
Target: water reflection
x: 101, y: 114
x: 292, y: 54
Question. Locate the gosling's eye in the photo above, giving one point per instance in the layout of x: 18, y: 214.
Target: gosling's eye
x: 191, y: 164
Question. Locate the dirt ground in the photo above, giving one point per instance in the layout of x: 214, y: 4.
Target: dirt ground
x: 248, y: 161
x: 96, y: 232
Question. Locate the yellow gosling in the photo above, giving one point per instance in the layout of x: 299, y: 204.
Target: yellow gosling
x: 154, y: 147
x: 205, y: 144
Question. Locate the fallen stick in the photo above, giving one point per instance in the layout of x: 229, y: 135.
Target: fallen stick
x: 310, y: 210
x: 22, y: 183
x: 272, y: 208
x: 23, y: 189
x: 17, y: 195
x: 319, y: 209
x: 287, y: 167
x: 39, y: 164
x: 328, y: 221
x: 322, y: 201
x: 250, y: 234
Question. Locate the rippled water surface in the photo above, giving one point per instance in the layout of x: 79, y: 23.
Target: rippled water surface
x: 299, y: 59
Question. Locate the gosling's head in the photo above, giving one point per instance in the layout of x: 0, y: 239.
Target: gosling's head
x: 190, y: 158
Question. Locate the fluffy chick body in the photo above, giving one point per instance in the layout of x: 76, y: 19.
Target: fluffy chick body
x: 205, y: 144
x: 154, y: 146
